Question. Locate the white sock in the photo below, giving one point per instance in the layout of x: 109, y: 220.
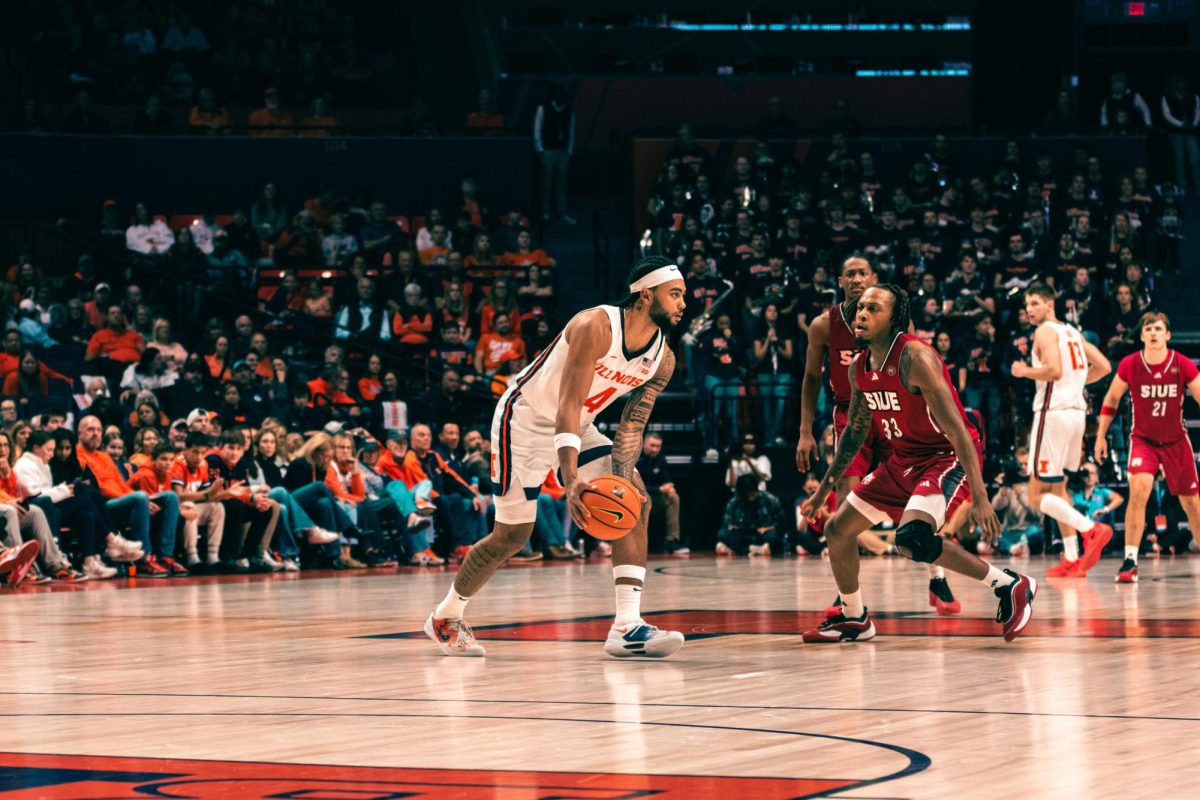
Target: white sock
x: 1054, y: 506
x: 1071, y: 548
x: 452, y: 607
x: 997, y: 577
x: 628, y: 596
x: 1131, y: 552
x: 852, y: 607
x: 936, y: 572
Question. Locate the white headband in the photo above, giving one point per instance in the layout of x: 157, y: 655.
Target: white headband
x: 660, y: 276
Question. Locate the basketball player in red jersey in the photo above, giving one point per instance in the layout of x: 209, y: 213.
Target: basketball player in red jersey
x: 900, y: 385
x: 1156, y: 378
x: 830, y: 335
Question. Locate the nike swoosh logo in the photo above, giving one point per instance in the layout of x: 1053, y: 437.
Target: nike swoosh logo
x: 617, y: 515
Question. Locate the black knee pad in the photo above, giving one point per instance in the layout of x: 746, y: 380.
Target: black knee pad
x: 918, y: 541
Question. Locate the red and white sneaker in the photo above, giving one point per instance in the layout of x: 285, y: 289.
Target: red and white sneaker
x: 1094, y: 542
x: 15, y: 562
x: 1016, y: 604
x: 1128, y: 572
x: 840, y: 628
x: 453, y: 636
x: 173, y: 567
x: 942, y: 599
x: 1065, y: 569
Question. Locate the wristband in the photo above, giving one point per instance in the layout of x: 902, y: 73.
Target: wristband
x: 562, y: 440
x: 1107, y: 411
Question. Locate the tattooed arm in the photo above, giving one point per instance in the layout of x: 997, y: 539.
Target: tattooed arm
x: 858, y: 426
x: 627, y: 441
x: 921, y: 373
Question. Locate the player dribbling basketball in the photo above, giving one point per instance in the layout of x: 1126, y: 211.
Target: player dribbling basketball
x: 546, y: 419
x: 1156, y: 379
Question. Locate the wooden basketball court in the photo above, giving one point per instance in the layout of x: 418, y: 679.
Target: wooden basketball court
x: 321, y: 686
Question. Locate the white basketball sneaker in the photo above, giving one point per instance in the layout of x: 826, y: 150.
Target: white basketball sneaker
x: 640, y: 639
x: 453, y: 636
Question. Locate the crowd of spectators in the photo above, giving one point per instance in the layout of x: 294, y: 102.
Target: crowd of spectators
x: 962, y: 238
x: 266, y: 388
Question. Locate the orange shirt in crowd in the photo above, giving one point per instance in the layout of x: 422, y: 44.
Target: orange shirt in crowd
x: 125, y: 347
x: 533, y: 258
x: 147, y: 480
x: 187, y: 480
x: 317, y: 387
x: 369, y: 388
x: 488, y: 313
x: 218, y: 121
x: 414, y: 329
x: 431, y: 254
x: 108, y: 477
x: 9, y: 364
x: 497, y: 348
x: 265, y: 122
x: 356, y: 492
x: 414, y: 473
x: 486, y: 122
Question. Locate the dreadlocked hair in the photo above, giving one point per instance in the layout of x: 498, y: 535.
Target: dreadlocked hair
x: 643, y: 267
x: 901, y: 308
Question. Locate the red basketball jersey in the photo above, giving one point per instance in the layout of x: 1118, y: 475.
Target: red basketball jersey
x: 901, y: 416
x: 1157, y: 391
x: 841, y: 355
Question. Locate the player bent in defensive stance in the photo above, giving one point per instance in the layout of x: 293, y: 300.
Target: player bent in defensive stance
x: 899, y: 384
x: 1156, y: 378
x: 546, y: 419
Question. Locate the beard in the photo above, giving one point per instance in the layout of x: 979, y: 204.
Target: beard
x: 660, y: 316
x: 861, y: 342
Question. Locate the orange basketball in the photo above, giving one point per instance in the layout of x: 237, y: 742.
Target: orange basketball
x: 615, y: 505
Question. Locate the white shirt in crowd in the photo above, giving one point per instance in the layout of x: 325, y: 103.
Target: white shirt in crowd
x: 34, y: 475
x: 740, y: 466
x: 146, y: 239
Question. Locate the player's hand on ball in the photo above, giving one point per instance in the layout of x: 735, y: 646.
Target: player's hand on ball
x: 804, y: 450
x: 1101, y: 449
x: 579, y: 512
x: 983, y: 515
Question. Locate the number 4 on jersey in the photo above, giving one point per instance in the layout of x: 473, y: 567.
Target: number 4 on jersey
x: 596, y: 402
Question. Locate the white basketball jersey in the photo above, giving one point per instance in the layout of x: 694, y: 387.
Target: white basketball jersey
x: 617, y: 373
x: 1068, y: 391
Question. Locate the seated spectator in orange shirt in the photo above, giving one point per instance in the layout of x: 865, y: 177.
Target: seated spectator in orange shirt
x: 95, y: 308
x: 438, y: 249
x: 14, y: 351
x: 525, y: 255
x: 206, y: 118
x: 484, y: 119
x: 220, y: 360
x: 413, y: 322
x: 300, y: 243
x: 482, y: 262
x: 500, y: 345
x: 27, y: 380
x: 321, y: 206
x: 271, y: 120
x: 115, y: 342
x: 317, y: 304
x: 319, y: 121
x: 154, y: 477
x: 371, y: 383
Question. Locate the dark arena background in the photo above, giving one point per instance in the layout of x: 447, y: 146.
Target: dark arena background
x: 280, y: 275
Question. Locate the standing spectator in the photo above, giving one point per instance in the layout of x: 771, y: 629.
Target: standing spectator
x: 1181, y: 112
x: 271, y: 119
x: 1122, y: 98
x: 485, y: 119
x: 664, y: 499
x: 751, y: 521
x: 207, y: 118
x: 723, y: 352
x: 745, y: 459
x: 773, y: 356
x: 554, y: 141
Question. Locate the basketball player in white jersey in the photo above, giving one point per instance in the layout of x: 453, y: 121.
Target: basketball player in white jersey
x: 546, y: 419
x: 1063, y: 364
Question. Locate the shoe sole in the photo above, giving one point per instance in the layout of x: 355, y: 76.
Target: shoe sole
x: 655, y: 648
x: 1026, y: 615
x: 943, y: 608
x: 1093, y: 547
x: 816, y: 638
x: 445, y: 648
x: 21, y: 565
x: 1131, y: 579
